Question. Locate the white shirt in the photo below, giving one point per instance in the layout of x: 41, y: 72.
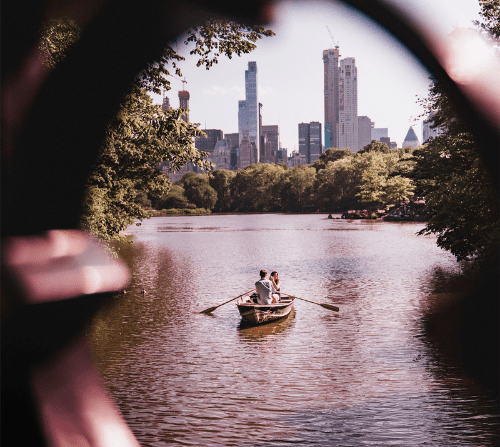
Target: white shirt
x: 265, y: 289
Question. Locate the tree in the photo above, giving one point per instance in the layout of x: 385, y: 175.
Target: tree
x: 198, y: 191
x: 138, y: 139
x: 221, y: 182
x: 371, y: 190
x: 337, y: 184
x: 461, y: 200
x: 142, y: 136
x: 331, y: 154
x: 380, y: 182
x: 375, y: 146
x: 255, y: 188
x: 175, y: 198
x: 490, y: 13
x: 297, y: 192
x: 398, y: 188
x: 55, y: 40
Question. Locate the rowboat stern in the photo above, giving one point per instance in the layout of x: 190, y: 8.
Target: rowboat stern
x: 262, y: 313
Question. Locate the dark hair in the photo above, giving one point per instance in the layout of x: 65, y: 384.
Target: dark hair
x: 274, y: 272
x: 263, y: 273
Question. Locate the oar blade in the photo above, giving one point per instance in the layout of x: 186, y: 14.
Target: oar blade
x: 209, y: 310
x: 329, y: 306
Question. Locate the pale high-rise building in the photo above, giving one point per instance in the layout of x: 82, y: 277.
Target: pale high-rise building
x: 315, y: 141
x: 296, y: 159
x: 248, y: 152
x: 365, y: 126
x: 331, y: 92
x: 428, y: 131
x: 348, y: 105
x: 249, y: 111
x: 341, y: 101
x: 304, y: 140
x: 165, y: 105
x: 269, y: 143
x: 221, y: 155
x: 379, y: 132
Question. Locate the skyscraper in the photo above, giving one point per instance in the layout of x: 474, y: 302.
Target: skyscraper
x: 365, y: 126
x: 165, y: 105
x: 379, y: 132
x: 315, y: 141
x: 411, y: 139
x: 331, y: 92
x: 207, y: 144
x: 184, y: 103
x: 348, y: 105
x: 248, y: 115
x: 304, y: 140
x: 429, y: 131
x: 341, y: 101
x: 269, y: 143
x: 310, y: 141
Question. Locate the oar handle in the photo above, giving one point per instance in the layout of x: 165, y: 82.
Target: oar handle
x: 232, y: 299
x: 211, y: 309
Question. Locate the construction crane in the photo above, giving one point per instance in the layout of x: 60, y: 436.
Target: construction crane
x: 183, y: 84
x: 182, y: 80
x: 335, y: 44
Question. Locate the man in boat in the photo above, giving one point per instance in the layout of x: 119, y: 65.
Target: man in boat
x: 266, y: 290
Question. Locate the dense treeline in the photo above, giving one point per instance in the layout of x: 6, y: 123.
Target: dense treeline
x: 339, y: 180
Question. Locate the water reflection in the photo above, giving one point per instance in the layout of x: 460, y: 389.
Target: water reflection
x: 367, y: 375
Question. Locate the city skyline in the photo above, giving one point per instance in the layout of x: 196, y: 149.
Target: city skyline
x: 291, y: 84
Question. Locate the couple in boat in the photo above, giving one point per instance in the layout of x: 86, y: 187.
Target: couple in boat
x: 268, y: 289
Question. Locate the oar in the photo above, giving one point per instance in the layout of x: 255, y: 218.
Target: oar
x: 211, y: 309
x: 326, y: 306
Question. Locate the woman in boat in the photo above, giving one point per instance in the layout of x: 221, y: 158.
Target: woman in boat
x: 276, y: 281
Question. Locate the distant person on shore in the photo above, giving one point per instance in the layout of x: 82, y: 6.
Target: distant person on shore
x: 266, y: 290
x: 276, y: 281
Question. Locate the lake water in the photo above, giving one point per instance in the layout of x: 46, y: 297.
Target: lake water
x: 364, y: 376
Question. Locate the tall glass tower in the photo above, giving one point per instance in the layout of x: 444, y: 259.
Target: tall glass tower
x: 341, y: 101
x: 331, y: 91
x: 348, y: 105
x: 248, y: 115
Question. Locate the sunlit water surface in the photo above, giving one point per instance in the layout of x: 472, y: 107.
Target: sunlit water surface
x: 364, y: 376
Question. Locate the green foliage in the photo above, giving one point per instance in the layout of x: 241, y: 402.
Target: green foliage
x: 461, y: 200
x: 398, y: 188
x: 55, y: 40
x: 185, y: 211
x: 221, y: 182
x: 198, y: 191
x: 337, y: 185
x: 256, y: 188
x: 298, y: 190
x: 375, y: 146
x: 138, y: 139
x: 331, y: 154
x: 223, y: 37
x: 215, y: 38
x: 175, y: 198
x: 490, y: 13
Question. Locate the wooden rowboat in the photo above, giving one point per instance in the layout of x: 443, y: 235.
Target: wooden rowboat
x: 263, y: 313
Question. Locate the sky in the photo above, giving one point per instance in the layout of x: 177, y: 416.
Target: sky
x: 290, y: 69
